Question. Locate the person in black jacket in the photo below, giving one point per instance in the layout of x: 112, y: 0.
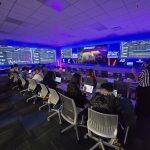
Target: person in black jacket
x: 74, y: 92
x: 104, y: 101
x: 49, y: 80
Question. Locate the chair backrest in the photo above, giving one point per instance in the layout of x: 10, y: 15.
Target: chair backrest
x: 122, y: 88
x: 44, y: 91
x: 68, y: 111
x: 100, y: 81
x: 32, y: 84
x: 53, y: 97
x: 104, y: 125
x: 23, y: 81
x: 88, y: 81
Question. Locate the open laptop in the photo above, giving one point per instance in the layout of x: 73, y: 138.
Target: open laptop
x: 88, y: 88
x: 58, y: 79
x: 115, y: 93
x: 30, y: 71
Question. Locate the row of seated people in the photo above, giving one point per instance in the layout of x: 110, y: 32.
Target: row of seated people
x: 41, y: 73
x: 103, y: 101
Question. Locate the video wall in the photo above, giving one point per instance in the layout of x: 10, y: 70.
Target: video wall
x: 25, y: 55
x: 135, y: 49
x: 85, y: 55
x: 132, y: 53
x: 93, y: 54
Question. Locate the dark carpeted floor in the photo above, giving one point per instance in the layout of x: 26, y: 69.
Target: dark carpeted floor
x: 23, y: 127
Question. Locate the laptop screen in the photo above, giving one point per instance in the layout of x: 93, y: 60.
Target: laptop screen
x: 115, y: 93
x: 58, y: 79
x: 88, y: 88
x: 30, y: 71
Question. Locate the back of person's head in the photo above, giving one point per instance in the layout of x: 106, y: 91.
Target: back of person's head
x: 50, y: 75
x: 38, y: 70
x: 90, y: 72
x: 25, y: 68
x: 106, y: 88
x: 76, y: 79
x: 15, y: 65
x: 74, y: 85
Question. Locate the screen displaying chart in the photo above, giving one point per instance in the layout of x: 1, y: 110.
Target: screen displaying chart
x: 25, y: 55
x: 135, y: 49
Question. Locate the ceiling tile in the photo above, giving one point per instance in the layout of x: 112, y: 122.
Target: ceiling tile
x: 8, y: 26
x: 111, y: 5
x: 6, y: 5
x: 67, y: 21
x: 94, y: 12
x: 30, y: 4
x: 17, y: 16
x: 71, y: 11
x: 22, y: 10
x: 83, y: 6
x: 72, y: 1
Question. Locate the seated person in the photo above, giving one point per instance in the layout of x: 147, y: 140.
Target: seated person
x: 105, y: 102
x: 49, y: 80
x: 24, y: 72
x: 90, y: 74
x: 74, y: 92
x: 14, y: 69
x: 38, y: 77
x: 44, y: 69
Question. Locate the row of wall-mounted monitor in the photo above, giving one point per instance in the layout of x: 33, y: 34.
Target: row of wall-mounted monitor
x: 115, y: 54
x: 24, y: 55
x: 124, y: 53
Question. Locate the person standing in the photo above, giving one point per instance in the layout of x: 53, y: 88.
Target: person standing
x: 143, y: 91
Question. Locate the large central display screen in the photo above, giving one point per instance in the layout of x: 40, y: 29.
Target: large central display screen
x: 93, y: 55
x: 24, y: 55
x: 135, y: 49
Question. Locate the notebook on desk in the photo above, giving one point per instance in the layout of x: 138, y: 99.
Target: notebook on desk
x: 88, y: 88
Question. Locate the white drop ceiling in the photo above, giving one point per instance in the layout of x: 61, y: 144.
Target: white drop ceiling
x: 62, y: 22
